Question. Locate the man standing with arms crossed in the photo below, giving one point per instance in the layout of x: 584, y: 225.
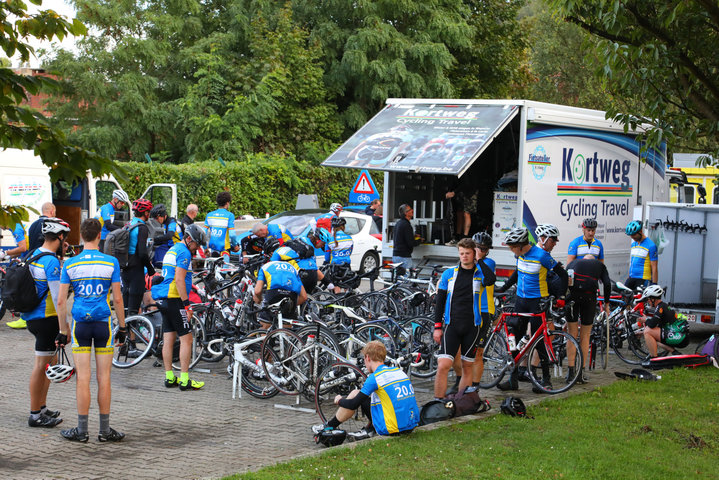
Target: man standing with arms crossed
x: 172, y: 295
x: 93, y: 276
x: 586, y: 244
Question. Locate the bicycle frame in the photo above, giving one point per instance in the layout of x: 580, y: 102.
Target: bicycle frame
x: 542, y: 331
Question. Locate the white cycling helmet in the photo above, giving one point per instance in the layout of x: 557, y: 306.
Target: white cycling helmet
x: 336, y: 208
x: 653, y: 291
x: 546, y: 230
x: 61, y: 372
x: 55, y: 225
x: 122, y: 196
x: 517, y: 235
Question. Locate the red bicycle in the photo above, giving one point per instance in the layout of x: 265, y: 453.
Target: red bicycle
x: 560, y: 346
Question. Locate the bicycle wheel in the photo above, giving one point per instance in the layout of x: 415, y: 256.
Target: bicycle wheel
x: 141, y: 329
x: 496, y: 358
x: 213, y: 321
x: 326, y: 338
x: 597, y: 344
x: 254, y: 378
x: 368, y: 332
x: 558, y: 363
x: 198, y: 343
x: 423, y: 347
x: 377, y: 304
x: 339, y: 379
x: 638, y: 346
x: 286, y: 364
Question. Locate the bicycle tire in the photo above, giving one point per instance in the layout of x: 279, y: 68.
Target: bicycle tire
x: 368, y: 332
x: 143, y: 342
x: 618, y: 338
x: 422, y: 343
x: 285, y: 365
x: 339, y: 379
x: 558, y: 382
x: 209, y: 320
x: 253, y: 382
x: 198, y: 343
x: 375, y: 305
x: 328, y: 339
x: 496, y: 359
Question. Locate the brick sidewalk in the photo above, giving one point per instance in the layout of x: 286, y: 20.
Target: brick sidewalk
x: 170, y: 434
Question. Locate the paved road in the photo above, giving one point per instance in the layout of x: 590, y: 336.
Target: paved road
x: 170, y: 434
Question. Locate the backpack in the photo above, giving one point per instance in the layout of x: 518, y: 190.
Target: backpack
x: 19, y: 293
x: 117, y: 244
x: 467, y: 403
x: 435, y: 411
x: 301, y: 248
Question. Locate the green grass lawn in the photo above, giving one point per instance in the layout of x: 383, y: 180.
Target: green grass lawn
x: 635, y: 430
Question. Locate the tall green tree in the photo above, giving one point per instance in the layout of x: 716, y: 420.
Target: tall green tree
x: 663, y: 55
x: 20, y: 126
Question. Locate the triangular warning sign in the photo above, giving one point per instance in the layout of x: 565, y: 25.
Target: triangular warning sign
x: 364, y: 184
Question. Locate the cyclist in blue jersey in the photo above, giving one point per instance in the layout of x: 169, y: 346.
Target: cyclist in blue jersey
x: 533, y: 263
x: 42, y: 321
x: 20, y: 237
x: 172, y: 296
x: 386, y: 398
x: 253, y: 243
x: 586, y: 244
x: 167, y: 237
x: 483, y: 242
x: 300, y: 253
x: 133, y: 276
x: 338, y: 251
x: 459, y: 312
x: 106, y: 215
x: 93, y: 276
x: 220, y: 223
x: 643, y: 259
x: 281, y: 281
x: 325, y: 220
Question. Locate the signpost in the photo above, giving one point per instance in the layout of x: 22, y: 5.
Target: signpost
x: 364, y: 190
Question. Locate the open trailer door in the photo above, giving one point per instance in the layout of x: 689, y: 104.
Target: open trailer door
x: 425, y: 136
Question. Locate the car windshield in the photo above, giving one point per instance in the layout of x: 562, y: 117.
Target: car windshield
x: 296, y: 224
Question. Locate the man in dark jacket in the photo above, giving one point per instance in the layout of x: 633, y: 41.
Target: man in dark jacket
x: 404, y: 239
x: 373, y: 209
x: 584, y: 275
x: 34, y: 233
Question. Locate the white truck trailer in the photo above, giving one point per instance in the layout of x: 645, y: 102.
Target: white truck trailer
x: 529, y: 162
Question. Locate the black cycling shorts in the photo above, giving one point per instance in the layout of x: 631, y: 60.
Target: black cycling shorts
x: 174, y: 316
x: 484, y: 329
x: 462, y: 336
x: 85, y: 334
x: 584, y: 308
x: 309, y: 279
x: 273, y: 296
x: 45, y: 331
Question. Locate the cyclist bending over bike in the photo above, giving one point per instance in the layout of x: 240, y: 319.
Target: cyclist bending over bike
x: 655, y: 331
x: 300, y: 253
x: 533, y: 263
x: 172, y: 296
x: 459, y: 302
x: 282, y: 281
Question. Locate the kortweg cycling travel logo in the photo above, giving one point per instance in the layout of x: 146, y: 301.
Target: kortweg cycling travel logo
x: 540, y: 162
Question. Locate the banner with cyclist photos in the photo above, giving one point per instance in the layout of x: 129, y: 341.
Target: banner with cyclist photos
x: 425, y: 138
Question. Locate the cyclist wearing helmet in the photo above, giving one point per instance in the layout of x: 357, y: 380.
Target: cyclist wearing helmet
x: 586, y: 244
x: 282, y: 281
x: 643, y: 258
x: 106, y: 215
x: 172, y: 295
x: 338, y: 251
x: 483, y: 242
x: 168, y: 233
x: 588, y: 272
x: 220, y: 223
x: 533, y: 263
x: 300, y: 253
x: 93, y: 275
x: 459, y: 309
x: 386, y: 398
x: 42, y: 320
x: 325, y: 220
x: 404, y: 239
x: 133, y: 276
x: 655, y: 329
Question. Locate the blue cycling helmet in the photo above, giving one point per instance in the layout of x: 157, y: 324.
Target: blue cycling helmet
x: 323, y: 235
x: 633, y: 227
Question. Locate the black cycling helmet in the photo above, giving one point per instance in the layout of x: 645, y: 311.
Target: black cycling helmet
x: 158, y: 210
x: 589, y: 223
x: 338, y: 222
x: 331, y: 437
x: 271, y: 244
x: 514, y: 406
x: 482, y: 239
x: 196, y: 234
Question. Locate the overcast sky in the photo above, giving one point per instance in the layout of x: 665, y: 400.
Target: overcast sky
x: 61, y: 7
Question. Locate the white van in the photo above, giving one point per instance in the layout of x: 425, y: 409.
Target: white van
x: 25, y: 180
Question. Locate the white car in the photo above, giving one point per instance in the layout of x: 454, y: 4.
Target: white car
x: 363, y: 230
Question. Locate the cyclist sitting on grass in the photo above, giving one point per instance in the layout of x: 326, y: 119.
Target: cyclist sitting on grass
x: 386, y: 399
x: 655, y: 329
